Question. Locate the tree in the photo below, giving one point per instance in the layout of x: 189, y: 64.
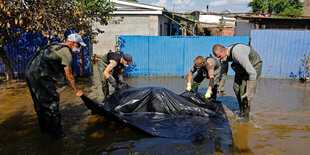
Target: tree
x: 289, y: 7
x: 49, y: 17
x: 257, y: 6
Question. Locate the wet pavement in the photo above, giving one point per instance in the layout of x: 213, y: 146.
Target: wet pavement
x: 280, y: 117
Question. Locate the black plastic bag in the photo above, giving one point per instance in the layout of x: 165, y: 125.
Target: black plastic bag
x: 160, y: 112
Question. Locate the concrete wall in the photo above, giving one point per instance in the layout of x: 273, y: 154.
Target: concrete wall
x: 146, y: 25
x: 306, y: 8
x: 244, y: 29
x: 164, y: 26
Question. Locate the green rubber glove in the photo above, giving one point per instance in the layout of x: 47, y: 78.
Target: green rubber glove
x: 208, y: 94
x: 188, y: 88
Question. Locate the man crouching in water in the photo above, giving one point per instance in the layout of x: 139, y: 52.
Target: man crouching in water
x: 111, y: 67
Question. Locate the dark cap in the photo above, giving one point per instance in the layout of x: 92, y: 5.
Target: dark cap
x: 128, y: 58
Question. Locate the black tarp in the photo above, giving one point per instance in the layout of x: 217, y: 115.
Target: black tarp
x: 161, y: 112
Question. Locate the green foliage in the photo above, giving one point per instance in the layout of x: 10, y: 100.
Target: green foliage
x: 52, y: 17
x: 257, y: 6
x: 290, y: 7
x: 291, y: 10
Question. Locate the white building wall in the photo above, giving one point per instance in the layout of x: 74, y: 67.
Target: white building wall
x: 146, y: 25
x: 214, y: 19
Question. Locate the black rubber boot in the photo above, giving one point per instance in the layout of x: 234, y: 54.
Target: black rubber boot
x: 105, y: 91
x: 245, y: 110
x: 54, y: 127
x: 42, y: 122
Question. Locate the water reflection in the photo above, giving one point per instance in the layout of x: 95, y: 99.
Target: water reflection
x: 280, y: 122
x: 241, y: 139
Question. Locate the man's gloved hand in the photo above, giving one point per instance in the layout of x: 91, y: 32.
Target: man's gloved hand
x: 123, y: 84
x: 250, y: 88
x: 188, y: 88
x: 113, y: 82
x: 121, y: 80
x: 208, y: 94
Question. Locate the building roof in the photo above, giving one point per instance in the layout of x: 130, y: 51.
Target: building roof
x: 126, y: 8
x: 273, y: 18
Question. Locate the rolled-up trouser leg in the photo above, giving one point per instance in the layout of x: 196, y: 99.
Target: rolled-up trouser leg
x: 197, y: 80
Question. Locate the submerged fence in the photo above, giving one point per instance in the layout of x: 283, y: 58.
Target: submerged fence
x: 20, y: 54
x: 170, y: 56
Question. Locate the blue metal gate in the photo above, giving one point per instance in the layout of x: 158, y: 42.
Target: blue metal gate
x: 170, y: 56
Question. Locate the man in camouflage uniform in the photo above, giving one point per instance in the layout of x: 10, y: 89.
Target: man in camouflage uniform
x: 111, y: 67
x: 47, y: 67
x: 208, y: 68
x: 247, y: 65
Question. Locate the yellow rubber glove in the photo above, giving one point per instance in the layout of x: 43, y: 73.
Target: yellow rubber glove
x: 208, y: 94
x: 188, y: 88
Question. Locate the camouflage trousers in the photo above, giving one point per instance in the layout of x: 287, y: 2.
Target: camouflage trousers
x: 104, y: 82
x: 240, y: 84
x: 46, y: 102
x: 201, y: 75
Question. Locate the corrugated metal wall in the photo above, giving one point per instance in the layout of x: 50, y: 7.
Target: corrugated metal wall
x: 281, y: 51
x: 22, y: 52
x: 170, y: 56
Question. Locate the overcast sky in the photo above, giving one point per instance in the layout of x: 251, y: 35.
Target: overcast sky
x: 182, y: 6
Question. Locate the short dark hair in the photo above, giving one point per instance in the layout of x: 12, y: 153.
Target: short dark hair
x: 199, y: 59
x: 217, y: 48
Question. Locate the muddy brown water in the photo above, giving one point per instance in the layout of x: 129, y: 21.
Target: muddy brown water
x: 280, y: 122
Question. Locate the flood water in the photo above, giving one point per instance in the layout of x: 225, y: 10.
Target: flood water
x: 280, y: 122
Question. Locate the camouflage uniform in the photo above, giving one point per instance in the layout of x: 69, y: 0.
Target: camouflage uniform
x: 204, y: 73
x: 43, y: 71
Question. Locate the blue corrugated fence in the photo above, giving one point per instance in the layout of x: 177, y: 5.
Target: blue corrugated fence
x: 170, y: 56
x: 21, y: 53
x: 281, y: 51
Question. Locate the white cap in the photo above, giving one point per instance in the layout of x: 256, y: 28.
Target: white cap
x: 74, y: 37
